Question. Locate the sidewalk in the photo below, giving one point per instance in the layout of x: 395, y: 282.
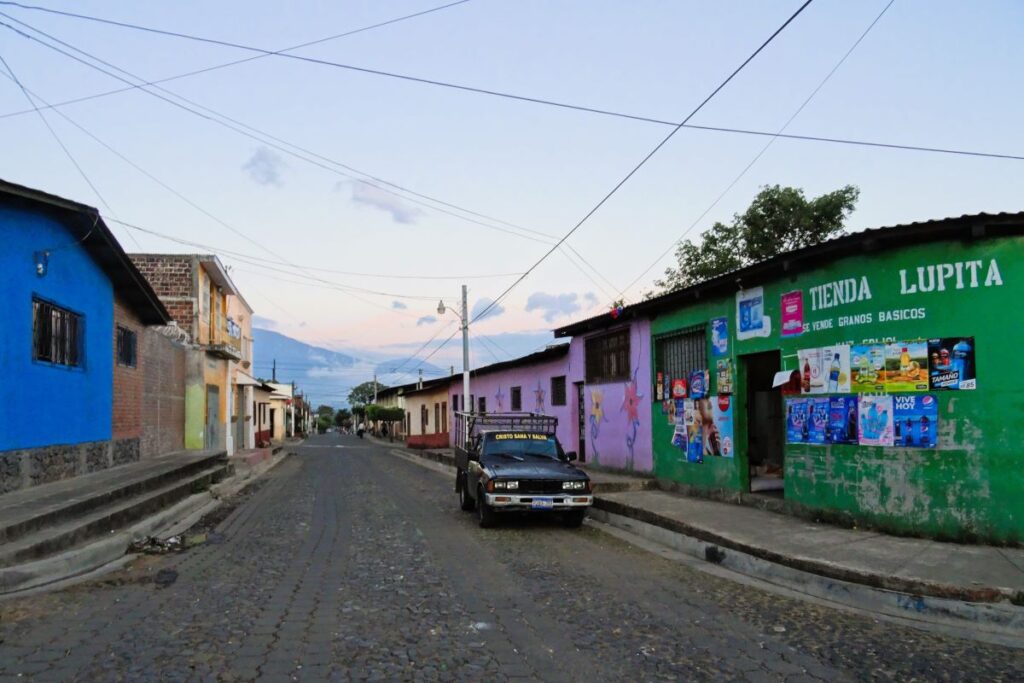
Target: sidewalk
x: 918, y: 567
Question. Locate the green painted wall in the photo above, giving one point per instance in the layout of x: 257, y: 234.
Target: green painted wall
x: 973, y: 483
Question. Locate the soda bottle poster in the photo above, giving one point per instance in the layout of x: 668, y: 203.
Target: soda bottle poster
x: 842, y: 420
x: 867, y: 365
x: 817, y: 420
x: 906, y: 366
x: 694, y: 436
x: 951, y: 363
x: 875, y: 421
x: 796, y: 419
x: 792, y: 313
x: 719, y: 337
x: 717, y: 427
x: 835, y: 368
x: 917, y: 421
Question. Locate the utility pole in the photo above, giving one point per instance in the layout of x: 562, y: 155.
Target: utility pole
x: 375, y: 387
x: 465, y: 355
x: 419, y: 382
x: 273, y: 374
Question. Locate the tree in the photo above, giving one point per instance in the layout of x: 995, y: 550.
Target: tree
x: 779, y: 219
x: 343, y: 417
x: 364, y: 393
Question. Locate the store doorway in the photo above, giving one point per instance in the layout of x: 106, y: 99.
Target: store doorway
x: 765, y: 423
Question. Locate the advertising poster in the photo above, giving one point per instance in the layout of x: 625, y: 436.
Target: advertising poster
x: 659, y: 386
x: 718, y: 438
x: 951, y: 363
x: 796, y: 420
x: 817, y: 420
x: 751, y: 320
x: 842, y: 420
x: 874, y: 421
x: 699, y: 384
x: 723, y: 375
x: 835, y: 368
x: 719, y: 337
x: 679, y: 433
x: 678, y: 388
x: 917, y: 421
x: 694, y: 437
x: 867, y: 365
x: 792, y: 313
x: 812, y: 380
x: 906, y: 366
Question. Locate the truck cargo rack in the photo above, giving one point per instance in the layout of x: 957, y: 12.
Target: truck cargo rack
x: 469, y: 425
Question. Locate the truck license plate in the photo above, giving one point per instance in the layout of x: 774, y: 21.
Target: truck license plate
x: 543, y: 503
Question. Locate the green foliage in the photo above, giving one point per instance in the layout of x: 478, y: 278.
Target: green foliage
x: 363, y: 394
x: 325, y: 411
x: 322, y: 423
x: 375, y: 413
x: 343, y: 417
x: 779, y: 219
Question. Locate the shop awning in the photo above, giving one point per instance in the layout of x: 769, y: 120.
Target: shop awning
x: 245, y: 380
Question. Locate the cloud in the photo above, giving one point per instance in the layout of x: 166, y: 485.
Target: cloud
x: 376, y: 198
x: 265, y: 167
x: 481, y: 305
x: 553, y: 305
x: 398, y: 305
x: 590, y: 298
x: 426, y: 320
x: 264, y: 323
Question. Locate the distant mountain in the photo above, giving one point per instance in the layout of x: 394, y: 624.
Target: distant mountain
x: 327, y: 376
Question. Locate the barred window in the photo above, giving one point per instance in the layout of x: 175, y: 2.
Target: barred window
x: 55, y: 334
x: 558, y: 391
x: 126, y: 345
x: 517, y: 399
x: 483, y: 404
x: 608, y: 357
x: 681, y: 353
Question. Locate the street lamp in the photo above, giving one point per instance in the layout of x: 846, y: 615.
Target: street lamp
x: 464, y: 319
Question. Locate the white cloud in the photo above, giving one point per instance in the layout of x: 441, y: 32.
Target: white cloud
x: 376, y: 198
x: 481, y: 305
x: 426, y: 320
x: 590, y: 298
x: 265, y: 167
x: 264, y: 323
x: 553, y: 305
x: 398, y: 306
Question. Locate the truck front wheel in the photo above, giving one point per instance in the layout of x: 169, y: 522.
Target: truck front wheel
x: 484, y: 512
x: 574, y: 518
x: 465, y: 500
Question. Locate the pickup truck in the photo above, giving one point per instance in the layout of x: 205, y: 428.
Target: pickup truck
x: 512, y: 462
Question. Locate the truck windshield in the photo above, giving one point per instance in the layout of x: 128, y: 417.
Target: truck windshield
x: 522, y: 444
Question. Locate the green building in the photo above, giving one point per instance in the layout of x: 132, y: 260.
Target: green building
x: 872, y: 378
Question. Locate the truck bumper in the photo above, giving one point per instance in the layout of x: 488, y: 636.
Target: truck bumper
x: 538, y: 502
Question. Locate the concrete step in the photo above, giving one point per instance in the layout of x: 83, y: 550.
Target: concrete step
x: 120, y: 512
x: 28, y: 510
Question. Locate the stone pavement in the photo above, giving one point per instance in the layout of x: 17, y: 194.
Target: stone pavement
x: 347, y: 563
x: 976, y: 573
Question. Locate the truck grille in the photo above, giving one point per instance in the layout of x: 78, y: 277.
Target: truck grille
x: 540, y: 486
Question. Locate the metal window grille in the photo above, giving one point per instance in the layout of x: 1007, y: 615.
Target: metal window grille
x: 517, y: 398
x: 682, y: 353
x: 483, y: 404
x: 55, y: 334
x: 558, y: 391
x: 126, y: 347
x: 608, y: 357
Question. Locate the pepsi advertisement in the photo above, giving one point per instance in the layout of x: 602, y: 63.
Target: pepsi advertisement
x: 842, y: 419
x: 916, y: 421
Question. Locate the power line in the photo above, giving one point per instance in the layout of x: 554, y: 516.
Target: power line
x: 259, y: 136
x: 647, y: 157
x: 480, y: 91
x: 765, y: 148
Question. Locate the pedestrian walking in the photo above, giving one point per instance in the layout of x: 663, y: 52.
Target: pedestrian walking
x: 360, y: 430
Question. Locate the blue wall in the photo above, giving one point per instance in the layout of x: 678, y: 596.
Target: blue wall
x: 43, y: 404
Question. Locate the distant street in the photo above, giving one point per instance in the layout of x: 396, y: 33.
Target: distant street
x: 350, y: 563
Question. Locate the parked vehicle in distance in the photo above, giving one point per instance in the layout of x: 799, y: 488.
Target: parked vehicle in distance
x: 512, y: 462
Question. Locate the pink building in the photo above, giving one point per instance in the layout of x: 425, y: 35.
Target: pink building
x: 609, y: 373
x: 537, y: 383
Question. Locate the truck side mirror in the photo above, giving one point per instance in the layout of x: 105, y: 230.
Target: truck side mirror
x: 571, y: 455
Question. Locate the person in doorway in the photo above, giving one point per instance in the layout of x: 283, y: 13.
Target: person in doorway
x: 360, y: 429
x: 384, y: 430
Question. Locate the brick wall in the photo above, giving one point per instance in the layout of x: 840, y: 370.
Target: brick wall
x: 170, y: 276
x: 128, y: 381
x: 163, y: 395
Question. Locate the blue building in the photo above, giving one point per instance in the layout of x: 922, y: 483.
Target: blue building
x: 60, y: 270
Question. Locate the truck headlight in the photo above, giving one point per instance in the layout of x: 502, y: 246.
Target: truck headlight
x: 506, y: 485
x: 574, y: 485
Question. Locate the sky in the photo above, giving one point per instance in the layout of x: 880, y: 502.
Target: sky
x: 334, y: 261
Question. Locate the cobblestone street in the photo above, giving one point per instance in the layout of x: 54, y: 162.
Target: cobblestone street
x: 349, y: 563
